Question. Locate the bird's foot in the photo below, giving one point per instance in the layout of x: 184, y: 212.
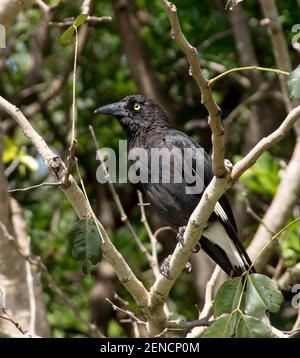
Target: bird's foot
x: 180, y: 239
x: 165, y: 268
x: 188, y: 268
x: 180, y: 234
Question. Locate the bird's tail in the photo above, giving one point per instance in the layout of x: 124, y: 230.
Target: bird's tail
x: 227, y: 252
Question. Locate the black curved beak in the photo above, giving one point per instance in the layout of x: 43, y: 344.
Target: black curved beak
x: 114, y: 109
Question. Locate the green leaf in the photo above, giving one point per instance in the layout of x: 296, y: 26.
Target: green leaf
x: 250, y: 327
x: 238, y: 325
x: 228, y: 296
x: 294, y: 83
x: 262, y: 295
x: 221, y: 328
x: 67, y: 35
x: 85, y: 244
x: 80, y: 20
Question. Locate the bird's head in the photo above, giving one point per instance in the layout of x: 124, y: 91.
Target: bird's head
x: 136, y: 113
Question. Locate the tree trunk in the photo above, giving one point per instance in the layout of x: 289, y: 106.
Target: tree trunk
x: 15, y: 272
x: 9, y: 9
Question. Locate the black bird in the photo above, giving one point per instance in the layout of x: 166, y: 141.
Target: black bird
x: 147, y: 126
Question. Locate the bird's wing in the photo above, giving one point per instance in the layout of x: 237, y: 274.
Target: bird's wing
x: 200, y: 161
x: 220, y: 238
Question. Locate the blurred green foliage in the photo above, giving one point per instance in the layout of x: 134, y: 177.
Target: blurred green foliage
x: 263, y: 177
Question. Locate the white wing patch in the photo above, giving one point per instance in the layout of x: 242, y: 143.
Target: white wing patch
x: 217, y: 234
x: 220, y: 212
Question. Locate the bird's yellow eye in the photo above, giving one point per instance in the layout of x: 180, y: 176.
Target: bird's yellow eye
x: 136, y: 106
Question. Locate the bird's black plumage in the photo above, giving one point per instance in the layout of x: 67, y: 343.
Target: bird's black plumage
x: 148, y: 127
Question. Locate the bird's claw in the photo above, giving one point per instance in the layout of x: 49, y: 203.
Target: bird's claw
x: 188, y: 268
x: 197, y: 248
x: 180, y: 239
x: 180, y: 234
x: 165, y: 268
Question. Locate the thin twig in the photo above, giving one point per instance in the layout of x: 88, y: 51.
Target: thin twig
x: 206, y: 310
x: 92, y: 328
x: 160, y: 230
x: 278, y: 269
x: 154, y: 257
x: 99, y: 226
x: 162, y: 333
x: 136, y: 330
x: 294, y: 333
x: 12, y: 167
x: 256, y: 217
x: 46, y: 8
x: 85, y: 7
x: 212, y: 81
x: 189, y: 325
x: 116, y: 198
x: 214, y: 38
x: 9, y: 318
x: 121, y: 300
x: 208, y: 304
x: 71, y: 157
x: 128, y: 313
x: 56, y: 86
x: 34, y: 187
x: 91, y: 21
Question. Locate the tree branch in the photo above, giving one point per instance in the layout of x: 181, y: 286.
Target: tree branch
x: 214, y: 112
x: 126, y: 312
x: 41, y: 185
x: 91, y: 21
